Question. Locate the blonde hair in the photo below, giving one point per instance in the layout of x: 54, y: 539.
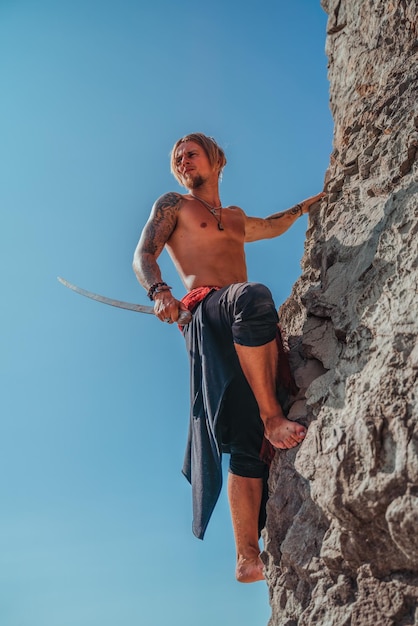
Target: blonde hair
x: 214, y: 152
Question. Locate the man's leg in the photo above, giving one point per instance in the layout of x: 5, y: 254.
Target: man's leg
x: 259, y: 364
x: 249, y: 310
x: 245, y: 496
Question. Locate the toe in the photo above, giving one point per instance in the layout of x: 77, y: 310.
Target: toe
x: 280, y: 446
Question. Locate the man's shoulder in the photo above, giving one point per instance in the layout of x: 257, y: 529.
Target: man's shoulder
x: 237, y: 209
x: 169, y: 199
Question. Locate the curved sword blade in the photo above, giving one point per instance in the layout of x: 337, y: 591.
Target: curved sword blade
x: 184, y: 316
x: 140, y: 308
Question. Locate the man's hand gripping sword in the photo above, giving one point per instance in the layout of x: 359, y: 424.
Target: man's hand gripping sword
x: 183, y: 319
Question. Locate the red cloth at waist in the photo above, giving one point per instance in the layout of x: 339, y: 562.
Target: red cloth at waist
x: 195, y: 296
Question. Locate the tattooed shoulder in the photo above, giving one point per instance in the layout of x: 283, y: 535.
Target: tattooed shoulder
x: 162, y: 222
x: 167, y: 203
x: 165, y: 209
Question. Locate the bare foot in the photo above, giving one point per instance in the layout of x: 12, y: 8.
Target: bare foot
x: 249, y: 570
x: 283, y: 433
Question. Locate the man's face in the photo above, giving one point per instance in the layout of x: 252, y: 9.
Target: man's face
x: 192, y: 165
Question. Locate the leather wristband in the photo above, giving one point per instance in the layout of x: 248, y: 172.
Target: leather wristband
x: 156, y: 288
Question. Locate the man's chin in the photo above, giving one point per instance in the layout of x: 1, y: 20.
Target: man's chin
x: 193, y: 182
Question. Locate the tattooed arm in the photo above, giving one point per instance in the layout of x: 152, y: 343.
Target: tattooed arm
x: 157, y: 231
x: 274, y: 225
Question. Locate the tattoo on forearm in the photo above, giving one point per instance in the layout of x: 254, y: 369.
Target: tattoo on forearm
x: 149, y: 271
x: 295, y: 210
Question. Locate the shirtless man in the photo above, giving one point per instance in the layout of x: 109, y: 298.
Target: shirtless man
x: 206, y: 243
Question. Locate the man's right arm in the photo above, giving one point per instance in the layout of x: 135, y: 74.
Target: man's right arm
x: 157, y: 231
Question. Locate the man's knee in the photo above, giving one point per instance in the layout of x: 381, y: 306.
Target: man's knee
x: 247, y: 467
x: 255, y: 319
x: 248, y: 292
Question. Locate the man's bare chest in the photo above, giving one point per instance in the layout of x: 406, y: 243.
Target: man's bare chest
x: 217, y: 224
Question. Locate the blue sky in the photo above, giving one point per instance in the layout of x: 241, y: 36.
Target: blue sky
x: 95, y: 528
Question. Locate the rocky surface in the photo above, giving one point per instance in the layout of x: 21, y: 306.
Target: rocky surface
x: 342, y: 531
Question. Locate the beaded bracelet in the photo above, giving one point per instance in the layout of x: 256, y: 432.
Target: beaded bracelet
x: 156, y: 288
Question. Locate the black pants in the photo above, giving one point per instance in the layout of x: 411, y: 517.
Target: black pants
x: 243, y: 313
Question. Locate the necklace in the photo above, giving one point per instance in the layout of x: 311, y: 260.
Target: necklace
x: 212, y: 210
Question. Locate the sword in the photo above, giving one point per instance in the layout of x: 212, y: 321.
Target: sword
x: 184, y: 316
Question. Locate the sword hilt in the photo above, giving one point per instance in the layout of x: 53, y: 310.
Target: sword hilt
x: 184, y: 317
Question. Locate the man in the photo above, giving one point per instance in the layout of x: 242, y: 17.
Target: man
x: 231, y: 338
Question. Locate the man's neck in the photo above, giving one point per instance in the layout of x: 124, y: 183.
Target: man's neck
x: 209, y: 192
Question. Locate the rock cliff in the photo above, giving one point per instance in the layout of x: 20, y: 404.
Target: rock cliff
x: 342, y: 531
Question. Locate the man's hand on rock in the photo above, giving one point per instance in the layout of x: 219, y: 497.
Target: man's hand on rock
x: 308, y: 204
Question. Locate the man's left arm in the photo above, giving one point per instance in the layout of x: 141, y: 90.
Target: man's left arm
x: 257, y: 228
